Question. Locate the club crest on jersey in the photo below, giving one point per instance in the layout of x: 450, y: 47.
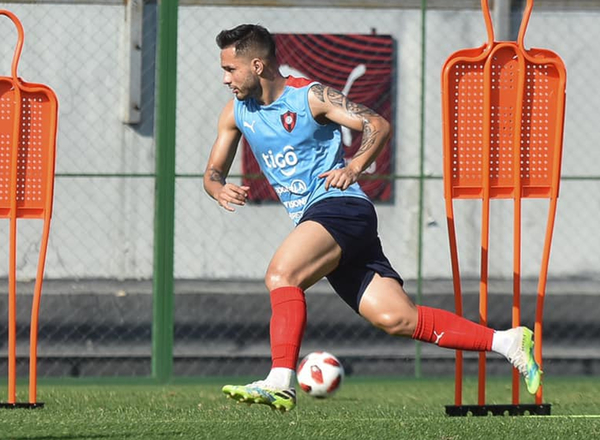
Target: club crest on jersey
x: 288, y: 119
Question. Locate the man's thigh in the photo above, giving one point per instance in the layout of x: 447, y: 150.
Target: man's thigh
x: 307, y: 254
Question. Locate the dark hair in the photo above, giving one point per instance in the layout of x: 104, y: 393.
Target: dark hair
x: 246, y: 38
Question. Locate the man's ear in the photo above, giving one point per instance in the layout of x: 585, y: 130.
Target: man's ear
x: 258, y: 66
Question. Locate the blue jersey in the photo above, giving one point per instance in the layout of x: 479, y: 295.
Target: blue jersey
x: 292, y: 148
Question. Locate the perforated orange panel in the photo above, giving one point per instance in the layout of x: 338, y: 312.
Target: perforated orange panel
x: 502, y: 103
x: 35, y: 146
x: 466, y: 127
x: 6, y: 116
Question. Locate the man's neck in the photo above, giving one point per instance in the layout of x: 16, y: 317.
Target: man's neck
x: 272, y: 89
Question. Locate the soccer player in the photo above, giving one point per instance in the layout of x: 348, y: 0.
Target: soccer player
x: 293, y: 126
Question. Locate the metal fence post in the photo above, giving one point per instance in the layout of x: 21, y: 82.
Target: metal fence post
x: 421, y: 179
x: 164, y: 208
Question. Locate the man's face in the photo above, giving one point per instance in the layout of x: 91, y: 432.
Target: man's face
x: 238, y: 74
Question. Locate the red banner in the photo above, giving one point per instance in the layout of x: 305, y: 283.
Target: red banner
x: 360, y: 66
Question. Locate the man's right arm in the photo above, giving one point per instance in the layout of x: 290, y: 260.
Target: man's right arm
x: 220, y: 160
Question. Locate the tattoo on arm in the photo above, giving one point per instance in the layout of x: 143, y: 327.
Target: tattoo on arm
x: 337, y: 98
x: 359, y: 109
x: 216, y: 176
x: 364, y: 113
x: 317, y: 89
x: 368, y: 138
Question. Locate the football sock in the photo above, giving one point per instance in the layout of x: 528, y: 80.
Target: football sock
x: 449, y: 330
x: 281, y: 378
x: 502, y: 342
x: 288, y: 319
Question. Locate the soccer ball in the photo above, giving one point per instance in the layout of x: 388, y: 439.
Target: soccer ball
x: 320, y: 374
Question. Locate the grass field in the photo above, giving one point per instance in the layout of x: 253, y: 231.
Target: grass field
x: 363, y: 409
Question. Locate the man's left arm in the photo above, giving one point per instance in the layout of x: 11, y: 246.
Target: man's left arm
x: 328, y: 104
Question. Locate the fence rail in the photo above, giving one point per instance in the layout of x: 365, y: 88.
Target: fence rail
x: 576, y: 5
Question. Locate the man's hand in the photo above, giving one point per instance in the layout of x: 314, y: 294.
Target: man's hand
x: 232, y: 194
x: 340, y: 178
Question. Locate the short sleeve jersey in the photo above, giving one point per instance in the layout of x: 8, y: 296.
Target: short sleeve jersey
x: 292, y: 148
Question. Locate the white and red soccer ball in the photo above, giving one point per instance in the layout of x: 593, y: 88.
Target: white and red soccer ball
x: 320, y: 374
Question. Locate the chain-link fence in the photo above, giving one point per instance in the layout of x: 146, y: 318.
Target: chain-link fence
x: 97, y: 313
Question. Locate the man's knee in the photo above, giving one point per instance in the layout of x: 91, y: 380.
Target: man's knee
x: 277, y: 276
x: 395, y: 324
x: 386, y: 305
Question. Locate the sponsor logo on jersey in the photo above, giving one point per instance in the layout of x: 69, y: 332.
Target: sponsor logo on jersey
x: 296, y: 203
x: 298, y: 187
x: 285, y: 161
x: 288, y: 119
x: 250, y: 126
x: 296, y: 216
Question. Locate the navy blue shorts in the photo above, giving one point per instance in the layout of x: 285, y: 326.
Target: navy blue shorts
x: 352, y: 222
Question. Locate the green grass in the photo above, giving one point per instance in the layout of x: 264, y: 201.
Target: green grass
x: 363, y: 409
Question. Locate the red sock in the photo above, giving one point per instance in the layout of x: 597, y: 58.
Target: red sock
x: 288, y: 319
x: 449, y: 330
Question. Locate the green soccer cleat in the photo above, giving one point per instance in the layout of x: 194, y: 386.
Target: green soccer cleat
x: 522, y: 357
x: 259, y: 392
